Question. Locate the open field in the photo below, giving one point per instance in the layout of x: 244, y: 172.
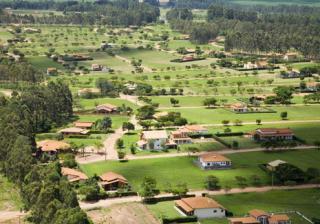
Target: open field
x: 133, y: 213
x: 9, y: 196
x: 170, y: 170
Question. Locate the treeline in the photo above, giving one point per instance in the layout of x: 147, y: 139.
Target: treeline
x: 21, y: 71
x: 193, y: 4
x: 45, y: 192
x: 266, y: 33
x: 122, y: 12
x: 200, y: 32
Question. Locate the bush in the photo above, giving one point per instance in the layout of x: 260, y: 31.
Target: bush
x: 180, y: 219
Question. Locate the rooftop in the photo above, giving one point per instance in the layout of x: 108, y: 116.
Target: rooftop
x: 111, y: 176
x: 76, y: 175
x: 52, y: 145
x: 244, y: 220
x: 155, y: 134
x: 190, y: 204
x: 213, y: 157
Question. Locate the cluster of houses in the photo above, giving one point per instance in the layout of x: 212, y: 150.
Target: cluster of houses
x: 205, y: 207
x: 159, y: 139
x: 109, y: 181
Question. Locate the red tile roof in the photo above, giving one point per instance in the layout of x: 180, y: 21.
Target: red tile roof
x: 190, y: 204
x: 213, y: 157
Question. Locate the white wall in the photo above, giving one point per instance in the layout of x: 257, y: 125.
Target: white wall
x: 204, y: 213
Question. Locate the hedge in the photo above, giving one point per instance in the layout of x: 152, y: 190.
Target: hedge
x: 223, y: 142
x: 166, y: 198
x: 229, y: 134
x: 180, y: 219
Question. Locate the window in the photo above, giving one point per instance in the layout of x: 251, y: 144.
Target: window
x: 214, y: 211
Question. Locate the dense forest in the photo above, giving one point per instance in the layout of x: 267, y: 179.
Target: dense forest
x: 46, y: 194
x: 254, y: 31
x: 122, y: 12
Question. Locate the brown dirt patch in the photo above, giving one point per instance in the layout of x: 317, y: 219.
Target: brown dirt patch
x: 133, y: 213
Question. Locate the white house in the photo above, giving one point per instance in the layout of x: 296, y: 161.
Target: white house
x: 214, y: 161
x: 202, y: 207
x: 153, y: 140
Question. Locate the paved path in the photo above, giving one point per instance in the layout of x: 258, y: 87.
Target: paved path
x: 108, y: 202
x: 5, y: 216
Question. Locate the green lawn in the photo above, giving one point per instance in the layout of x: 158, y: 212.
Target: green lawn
x: 170, y: 170
x: 88, y: 104
x: 306, y: 131
x: 305, y: 201
x: 9, y: 195
x: 212, y: 116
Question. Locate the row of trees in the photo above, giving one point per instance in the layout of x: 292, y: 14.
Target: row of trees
x: 123, y: 12
x: 42, y: 186
x: 22, y: 71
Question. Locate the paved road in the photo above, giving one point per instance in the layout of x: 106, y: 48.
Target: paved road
x: 108, y: 202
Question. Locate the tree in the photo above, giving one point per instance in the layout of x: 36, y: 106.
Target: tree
x: 225, y: 122
x: 258, y: 121
x: 119, y: 143
x: 146, y: 112
x: 174, y: 101
x: 235, y: 144
x: 132, y: 149
x: 149, y: 187
x: 19, y: 160
x: 209, y: 102
x: 284, y: 115
x: 284, y: 94
x: 105, y: 123
x: 237, y: 122
x: 121, y: 154
x: 180, y: 189
x: 212, y: 183
x: 241, y: 181
x: 127, y: 126
x: 317, y: 144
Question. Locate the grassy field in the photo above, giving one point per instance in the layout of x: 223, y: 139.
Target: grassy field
x: 306, y: 131
x: 88, y: 104
x: 304, y: 201
x: 9, y: 196
x: 170, y: 170
x: 213, y: 116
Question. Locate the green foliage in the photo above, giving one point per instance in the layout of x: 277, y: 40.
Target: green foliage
x: 212, y: 183
x: 149, y: 187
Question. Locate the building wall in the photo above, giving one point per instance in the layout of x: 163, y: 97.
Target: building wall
x: 209, y: 213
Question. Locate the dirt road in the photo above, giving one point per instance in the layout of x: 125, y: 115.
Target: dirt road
x: 108, y: 202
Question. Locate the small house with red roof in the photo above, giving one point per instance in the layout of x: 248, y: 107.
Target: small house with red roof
x: 201, y: 207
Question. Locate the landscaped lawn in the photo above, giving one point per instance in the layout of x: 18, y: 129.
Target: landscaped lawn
x: 305, y: 201
x: 9, y: 196
x: 309, y: 132
x: 212, y: 116
x: 92, y: 103
x: 182, y: 169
